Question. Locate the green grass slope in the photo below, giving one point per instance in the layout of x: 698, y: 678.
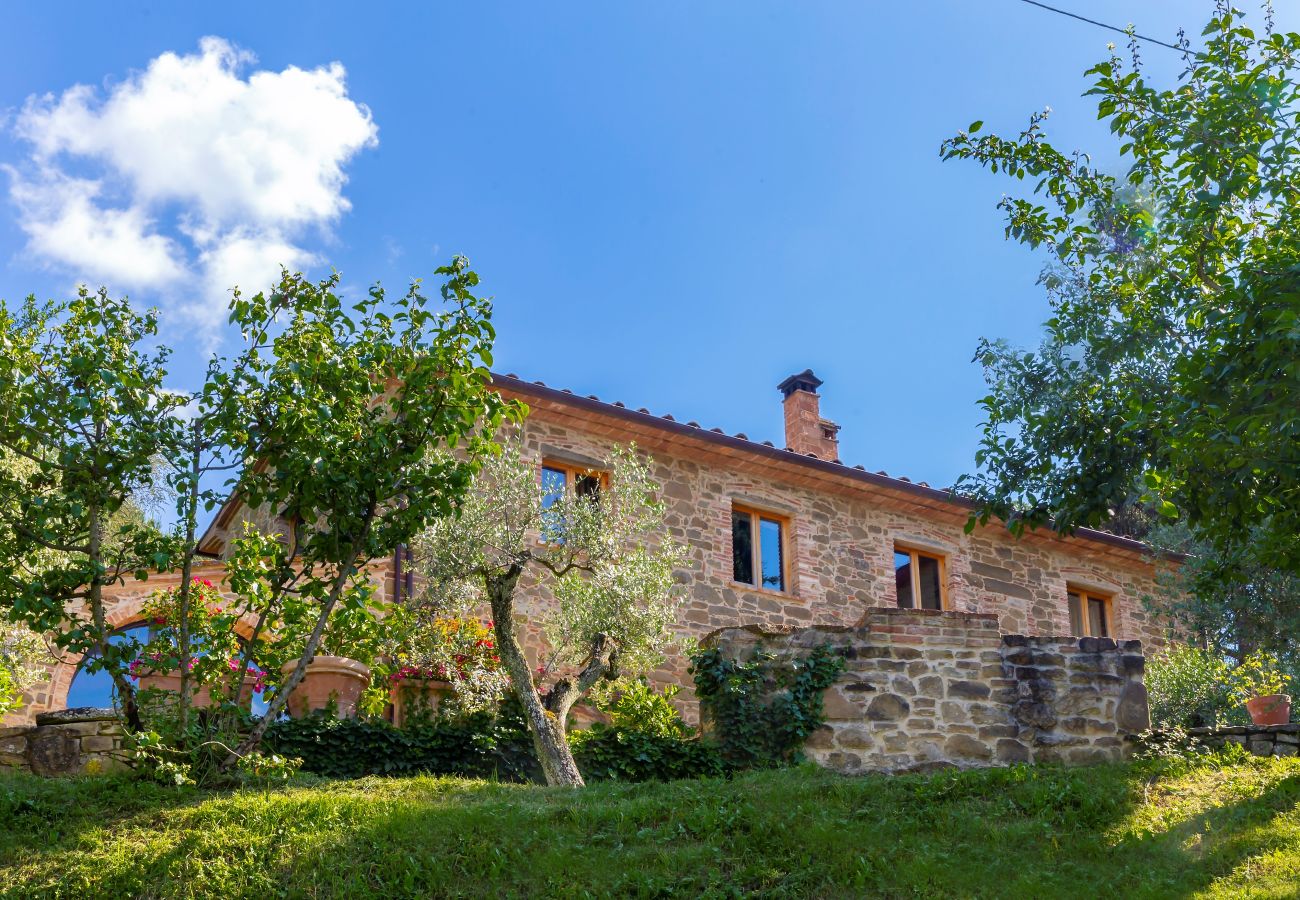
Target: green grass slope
x: 1142, y: 830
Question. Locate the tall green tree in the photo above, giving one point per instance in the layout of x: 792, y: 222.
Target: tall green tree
x: 83, y: 407
x: 358, y: 426
x: 1172, y: 358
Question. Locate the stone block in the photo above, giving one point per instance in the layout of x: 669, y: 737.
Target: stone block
x: 97, y: 743
x: 1134, y: 712
x: 837, y: 707
x: 1280, y: 749
x: 989, y: 732
x: 1011, y: 751
x: 854, y: 739
x: 858, y: 687
x: 821, y: 739
x: 969, y: 690
x: 76, y: 714
x: 52, y: 751
x: 962, y: 746
x: 1261, y: 747
x: 887, y: 708
x: 16, y: 743
x: 954, y: 712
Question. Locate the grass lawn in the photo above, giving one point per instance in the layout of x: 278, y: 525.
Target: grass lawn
x: 1141, y: 830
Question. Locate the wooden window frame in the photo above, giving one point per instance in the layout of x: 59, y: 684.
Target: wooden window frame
x: 1086, y: 595
x: 572, y: 473
x: 756, y: 515
x: 916, y: 553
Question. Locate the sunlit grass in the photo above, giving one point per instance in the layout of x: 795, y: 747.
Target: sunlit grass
x: 1139, y: 830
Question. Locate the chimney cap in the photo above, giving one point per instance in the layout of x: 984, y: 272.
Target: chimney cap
x: 803, y: 381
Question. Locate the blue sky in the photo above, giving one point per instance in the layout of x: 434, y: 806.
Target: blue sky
x: 674, y: 204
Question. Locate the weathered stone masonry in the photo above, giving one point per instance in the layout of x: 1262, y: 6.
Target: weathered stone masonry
x: 924, y: 689
x: 68, y: 742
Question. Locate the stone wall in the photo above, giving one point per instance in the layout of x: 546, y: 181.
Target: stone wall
x: 84, y: 741
x: 925, y: 689
x: 1261, y: 740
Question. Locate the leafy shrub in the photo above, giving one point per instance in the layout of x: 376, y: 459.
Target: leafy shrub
x: 476, y: 746
x: 762, y: 709
x: 624, y: 754
x: 1189, y: 687
x: 637, y: 706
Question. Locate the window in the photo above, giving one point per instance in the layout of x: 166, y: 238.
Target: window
x: 96, y: 688
x: 922, y: 576
x: 1089, y: 613
x: 757, y: 549
x: 559, y: 479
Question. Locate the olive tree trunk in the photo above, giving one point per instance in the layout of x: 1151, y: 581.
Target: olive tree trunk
x: 546, y: 719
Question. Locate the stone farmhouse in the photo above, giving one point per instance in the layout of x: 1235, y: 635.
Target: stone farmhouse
x: 784, y: 537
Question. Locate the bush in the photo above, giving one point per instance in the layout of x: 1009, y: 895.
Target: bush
x: 637, y: 706
x: 476, y: 746
x: 622, y: 754
x: 1189, y: 687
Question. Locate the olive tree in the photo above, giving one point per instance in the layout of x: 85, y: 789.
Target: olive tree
x: 605, y: 557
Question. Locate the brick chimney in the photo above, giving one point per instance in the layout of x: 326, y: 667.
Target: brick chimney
x: 805, y: 430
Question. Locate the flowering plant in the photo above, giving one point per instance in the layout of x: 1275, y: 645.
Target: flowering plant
x: 460, y: 651
x: 215, y: 648
x: 1259, y: 675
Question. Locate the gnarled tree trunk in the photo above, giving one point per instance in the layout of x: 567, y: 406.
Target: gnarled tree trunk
x: 546, y: 720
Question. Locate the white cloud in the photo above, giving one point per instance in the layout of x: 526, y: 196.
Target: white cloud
x: 191, y: 170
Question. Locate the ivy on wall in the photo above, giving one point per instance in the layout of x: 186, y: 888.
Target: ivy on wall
x: 764, y: 708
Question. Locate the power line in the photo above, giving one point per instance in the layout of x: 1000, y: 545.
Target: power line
x: 1141, y: 37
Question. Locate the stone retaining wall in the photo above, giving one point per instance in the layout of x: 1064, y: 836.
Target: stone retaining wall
x: 1261, y: 740
x: 926, y: 689
x: 83, y: 741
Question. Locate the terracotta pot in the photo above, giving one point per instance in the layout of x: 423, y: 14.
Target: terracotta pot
x: 328, y: 678
x: 1270, y: 709
x: 413, y: 695
x: 201, y: 698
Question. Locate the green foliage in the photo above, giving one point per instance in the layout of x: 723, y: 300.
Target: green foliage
x: 1188, y: 687
x: 22, y: 655
x: 762, y: 709
x: 1155, y: 829
x: 625, y: 754
x: 482, y: 744
x: 351, y: 748
x: 1227, y: 597
x: 646, y: 739
x: 350, y: 411
x: 606, y: 559
x: 83, y: 406
x: 635, y: 705
x: 1171, y: 355
x: 1259, y: 675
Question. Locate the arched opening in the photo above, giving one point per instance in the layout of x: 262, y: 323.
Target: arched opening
x: 97, y: 689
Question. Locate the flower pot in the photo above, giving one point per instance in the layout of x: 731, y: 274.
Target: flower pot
x: 201, y: 698
x: 411, y: 696
x: 1270, y: 709
x: 328, y: 679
